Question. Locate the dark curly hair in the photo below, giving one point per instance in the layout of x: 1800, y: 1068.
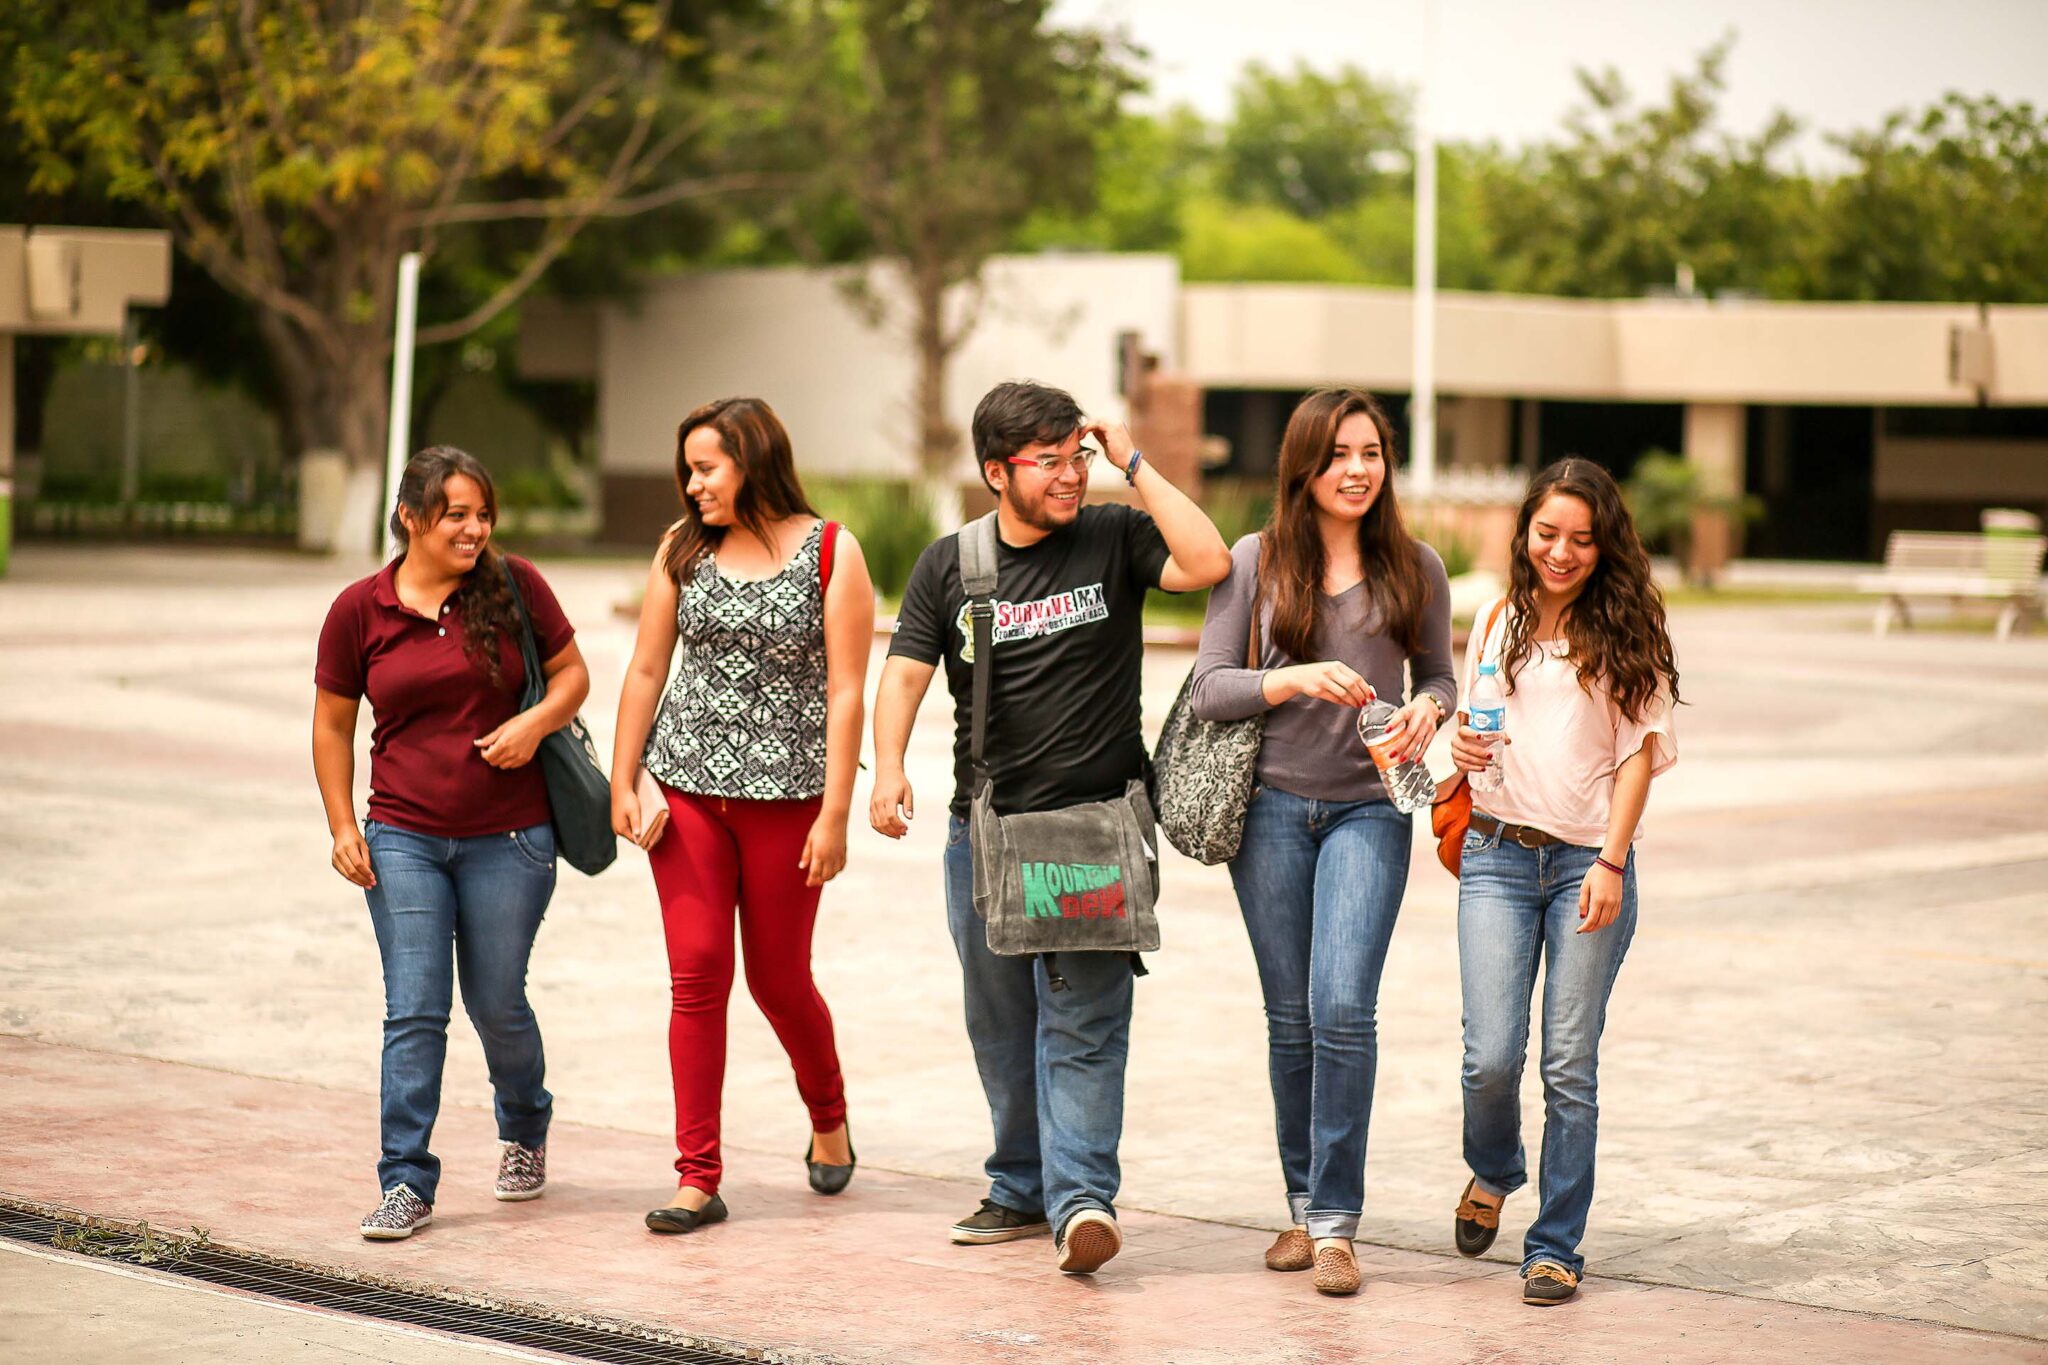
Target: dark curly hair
x: 1615, y: 627
x: 489, y: 615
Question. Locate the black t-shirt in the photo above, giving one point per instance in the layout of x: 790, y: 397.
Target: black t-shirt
x: 1068, y: 631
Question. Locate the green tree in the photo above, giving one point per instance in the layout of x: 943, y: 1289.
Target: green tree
x: 1148, y: 167
x: 1310, y: 143
x: 1633, y: 193
x: 1946, y: 205
x: 1225, y: 242
x: 942, y: 125
x: 1666, y: 500
x: 297, y: 151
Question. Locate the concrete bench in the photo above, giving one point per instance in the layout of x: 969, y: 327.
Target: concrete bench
x: 1959, y: 566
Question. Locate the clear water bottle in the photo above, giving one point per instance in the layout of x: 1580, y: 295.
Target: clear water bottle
x: 1408, y: 783
x: 1488, y: 708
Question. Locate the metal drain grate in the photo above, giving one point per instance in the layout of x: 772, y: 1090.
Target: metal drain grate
x: 254, y: 1274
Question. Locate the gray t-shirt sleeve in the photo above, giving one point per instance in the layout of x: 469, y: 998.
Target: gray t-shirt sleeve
x: 1224, y: 689
x: 1433, y: 669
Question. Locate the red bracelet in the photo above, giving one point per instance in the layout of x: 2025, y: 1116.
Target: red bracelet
x: 1602, y: 862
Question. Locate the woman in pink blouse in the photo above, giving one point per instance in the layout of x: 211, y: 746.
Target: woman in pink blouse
x: 1548, y: 873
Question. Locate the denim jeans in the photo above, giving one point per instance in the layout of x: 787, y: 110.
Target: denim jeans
x: 482, y: 898
x: 1319, y: 883
x: 1051, y: 1062
x: 1517, y: 906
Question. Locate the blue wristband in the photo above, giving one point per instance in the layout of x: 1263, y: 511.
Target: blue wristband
x: 1131, y: 469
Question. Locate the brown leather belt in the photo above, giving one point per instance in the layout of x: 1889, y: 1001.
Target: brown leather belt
x: 1524, y: 836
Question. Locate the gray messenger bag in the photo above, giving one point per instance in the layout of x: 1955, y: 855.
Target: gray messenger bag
x: 1082, y: 879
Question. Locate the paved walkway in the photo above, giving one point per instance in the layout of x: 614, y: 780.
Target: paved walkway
x: 66, y: 1310
x: 868, y: 1277
x: 1816, y: 1081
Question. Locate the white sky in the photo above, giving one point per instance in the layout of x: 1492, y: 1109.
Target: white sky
x: 1504, y: 67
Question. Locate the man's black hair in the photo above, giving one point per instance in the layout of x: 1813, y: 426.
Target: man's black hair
x: 1017, y: 414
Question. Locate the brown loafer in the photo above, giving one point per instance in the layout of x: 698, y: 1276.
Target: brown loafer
x: 1336, y: 1271
x: 1291, y: 1250
x: 1476, y: 1224
x: 1548, y: 1283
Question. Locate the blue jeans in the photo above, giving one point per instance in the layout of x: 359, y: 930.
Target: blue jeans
x: 483, y: 898
x: 1051, y: 1062
x: 1319, y: 883
x: 1517, y: 906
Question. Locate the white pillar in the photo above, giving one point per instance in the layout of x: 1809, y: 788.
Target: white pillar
x: 395, y: 453
x: 1422, y: 400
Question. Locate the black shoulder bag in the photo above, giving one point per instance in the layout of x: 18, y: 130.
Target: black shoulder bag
x: 579, y: 794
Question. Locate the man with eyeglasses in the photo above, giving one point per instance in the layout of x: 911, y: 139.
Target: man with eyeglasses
x: 1063, y: 729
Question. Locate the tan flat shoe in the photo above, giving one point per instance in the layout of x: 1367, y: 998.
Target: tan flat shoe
x: 1291, y: 1250
x: 1336, y: 1271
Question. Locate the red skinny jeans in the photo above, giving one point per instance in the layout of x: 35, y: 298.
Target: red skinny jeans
x: 718, y: 854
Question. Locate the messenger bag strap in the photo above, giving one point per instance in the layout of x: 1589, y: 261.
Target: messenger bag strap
x: 978, y: 579
x: 529, y: 647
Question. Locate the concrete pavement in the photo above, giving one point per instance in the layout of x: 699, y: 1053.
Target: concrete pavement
x: 1820, y: 1080
x: 67, y: 1310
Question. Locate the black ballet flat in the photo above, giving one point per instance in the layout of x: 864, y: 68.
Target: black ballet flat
x: 686, y: 1220
x: 830, y: 1179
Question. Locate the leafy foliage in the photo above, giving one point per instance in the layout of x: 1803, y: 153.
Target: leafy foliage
x: 1311, y: 143
x: 297, y: 151
x: 890, y: 523
x: 939, y: 126
x: 1664, y: 494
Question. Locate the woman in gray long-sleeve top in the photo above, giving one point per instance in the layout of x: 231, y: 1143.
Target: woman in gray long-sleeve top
x: 1349, y: 605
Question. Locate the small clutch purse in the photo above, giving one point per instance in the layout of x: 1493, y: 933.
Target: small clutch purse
x: 649, y: 794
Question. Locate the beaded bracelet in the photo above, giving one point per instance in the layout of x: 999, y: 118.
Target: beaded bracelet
x: 1602, y: 862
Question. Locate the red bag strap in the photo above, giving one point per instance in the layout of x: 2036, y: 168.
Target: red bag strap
x: 1487, y: 634
x: 825, y: 555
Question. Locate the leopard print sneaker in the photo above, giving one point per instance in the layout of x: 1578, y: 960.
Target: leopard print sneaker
x: 522, y: 1171
x: 400, y: 1215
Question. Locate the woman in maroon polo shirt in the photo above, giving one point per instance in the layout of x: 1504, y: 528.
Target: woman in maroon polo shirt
x: 457, y: 858
x: 754, y: 746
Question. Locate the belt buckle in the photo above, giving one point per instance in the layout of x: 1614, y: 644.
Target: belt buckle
x: 1528, y: 838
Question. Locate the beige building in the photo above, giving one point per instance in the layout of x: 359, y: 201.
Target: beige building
x: 1845, y: 420
x: 67, y: 281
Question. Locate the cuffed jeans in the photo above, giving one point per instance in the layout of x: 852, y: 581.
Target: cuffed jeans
x: 441, y: 906
x: 1319, y: 884
x: 1518, y: 906
x: 1051, y: 1062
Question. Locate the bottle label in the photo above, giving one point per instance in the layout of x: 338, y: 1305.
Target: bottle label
x: 1489, y: 720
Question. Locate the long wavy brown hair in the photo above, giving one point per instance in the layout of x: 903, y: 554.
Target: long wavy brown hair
x: 1615, y: 627
x: 489, y: 615
x: 769, y: 489
x: 1292, y: 562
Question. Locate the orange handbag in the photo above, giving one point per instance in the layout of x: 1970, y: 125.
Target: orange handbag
x: 1450, y: 815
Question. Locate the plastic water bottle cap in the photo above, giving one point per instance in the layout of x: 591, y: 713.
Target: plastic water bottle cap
x: 1487, y: 669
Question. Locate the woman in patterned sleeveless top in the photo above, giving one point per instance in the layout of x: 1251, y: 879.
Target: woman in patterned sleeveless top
x: 751, y: 754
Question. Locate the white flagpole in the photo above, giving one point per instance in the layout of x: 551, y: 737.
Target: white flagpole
x: 1422, y: 399
x: 401, y: 388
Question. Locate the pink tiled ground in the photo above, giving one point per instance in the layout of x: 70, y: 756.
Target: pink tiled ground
x: 284, y: 1169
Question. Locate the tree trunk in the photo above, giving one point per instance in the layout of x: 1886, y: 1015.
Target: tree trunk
x: 337, y: 417
x: 938, y: 441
